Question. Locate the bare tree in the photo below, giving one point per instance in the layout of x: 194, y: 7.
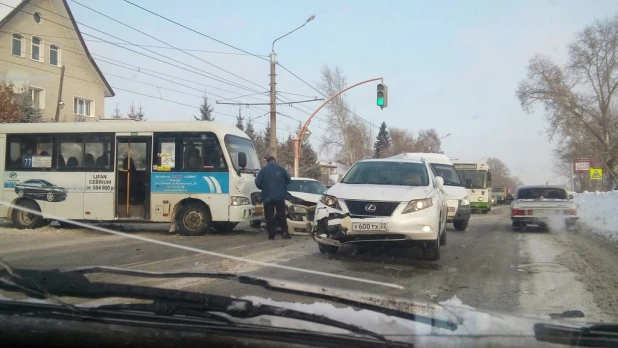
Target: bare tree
x: 428, y: 141
x: 579, y: 97
x: 349, y: 137
x: 401, y: 141
x: 501, y: 174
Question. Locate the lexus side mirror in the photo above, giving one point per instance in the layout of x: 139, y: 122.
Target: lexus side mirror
x: 439, y: 182
x: 571, y: 197
x: 242, y: 160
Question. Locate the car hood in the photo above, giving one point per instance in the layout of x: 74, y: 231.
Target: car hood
x: 394, y: 193
x: 309, y: 197
x: 455, y: 192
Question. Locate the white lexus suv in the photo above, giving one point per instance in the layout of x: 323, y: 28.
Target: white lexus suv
x: 384, y: 200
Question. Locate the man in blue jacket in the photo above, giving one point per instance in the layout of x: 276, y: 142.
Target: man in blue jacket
x: 273, y: 180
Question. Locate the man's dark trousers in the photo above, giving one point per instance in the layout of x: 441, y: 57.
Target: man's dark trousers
x: 273, y: 218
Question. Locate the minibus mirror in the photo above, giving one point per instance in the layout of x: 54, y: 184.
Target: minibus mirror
x: 242, y: 160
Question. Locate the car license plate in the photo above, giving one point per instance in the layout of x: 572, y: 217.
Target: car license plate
x: 545, y: 212
x: 259, y: 209
x: 368, y: 226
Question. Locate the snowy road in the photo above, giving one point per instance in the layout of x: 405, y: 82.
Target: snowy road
x: 488, y: 266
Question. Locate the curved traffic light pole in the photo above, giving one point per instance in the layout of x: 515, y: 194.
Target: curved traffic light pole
x: 303, y: 129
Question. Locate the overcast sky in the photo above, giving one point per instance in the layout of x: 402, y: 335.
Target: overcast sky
x: 450, y: 65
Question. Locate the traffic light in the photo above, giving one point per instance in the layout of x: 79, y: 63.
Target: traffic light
x: 382, y: 97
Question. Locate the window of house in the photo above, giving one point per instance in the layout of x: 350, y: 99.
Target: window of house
x: 37, y: 17
x: 36, y: 48
x: 38, y: 97
x: 82, y: 107
x: 54, y: 55
x: 17, y: 45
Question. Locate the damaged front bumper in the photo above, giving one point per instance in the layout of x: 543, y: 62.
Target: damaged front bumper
x: 334, y: 227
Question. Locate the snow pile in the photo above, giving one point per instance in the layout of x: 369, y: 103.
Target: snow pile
x: 598, y: 212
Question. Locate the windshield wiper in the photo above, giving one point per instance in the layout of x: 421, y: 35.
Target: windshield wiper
x: 602, y: 335
x: 73, y: 282
x: 190, y: 317
x: 166, y: 302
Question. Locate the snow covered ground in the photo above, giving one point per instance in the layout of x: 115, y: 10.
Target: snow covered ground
x: 598, y: 212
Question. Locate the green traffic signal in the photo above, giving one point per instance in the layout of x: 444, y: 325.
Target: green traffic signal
x: 381, y: 97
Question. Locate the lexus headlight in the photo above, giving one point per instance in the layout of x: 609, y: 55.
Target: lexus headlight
x: 330, y: 201
x: 299, y: 210
x: 239, y: 200
x: 465, y: 201
x: 417, y: 204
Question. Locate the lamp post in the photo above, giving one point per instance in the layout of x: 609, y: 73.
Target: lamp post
x: 273, y: 95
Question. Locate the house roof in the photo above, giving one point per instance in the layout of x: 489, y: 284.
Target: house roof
x: 20, y: 7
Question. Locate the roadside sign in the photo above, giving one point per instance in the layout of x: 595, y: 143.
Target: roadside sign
x: 596, y: 173
x: 583, y: 165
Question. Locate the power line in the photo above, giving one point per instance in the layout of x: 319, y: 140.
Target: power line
x: 134, y: 92
x: 140, y: 53
x: 163, y: 42
x: 183, y: 49
x: 282, y: 103
x: 193, y: 30
x: 216, y: 78
x: 323, y: 94
x: 133, y: 68
x: 298, y: 95
x: 226, y: 44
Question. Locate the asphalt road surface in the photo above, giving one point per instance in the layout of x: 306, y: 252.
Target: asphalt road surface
x: 487, y: 266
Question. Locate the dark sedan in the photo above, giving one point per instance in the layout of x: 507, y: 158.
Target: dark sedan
x: 41, y: 190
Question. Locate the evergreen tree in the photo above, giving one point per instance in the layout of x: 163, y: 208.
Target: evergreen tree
x: 132, y: 113
x: 205, y: 110
x: 382, y: 143
x: 140, y: 115
x: 250, y: 130
x: 239, y: 120
x: 31, y: 113
x: 117, y: 113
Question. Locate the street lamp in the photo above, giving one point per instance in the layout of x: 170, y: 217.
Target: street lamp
x: 273, y: 95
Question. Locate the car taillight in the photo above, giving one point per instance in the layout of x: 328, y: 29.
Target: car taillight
x: 518, y: 212
x: 570, y: 212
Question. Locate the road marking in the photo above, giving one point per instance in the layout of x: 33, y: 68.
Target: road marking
x: 201, y: 251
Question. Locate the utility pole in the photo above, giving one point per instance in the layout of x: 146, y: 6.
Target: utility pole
x: 273, y: 104
x: 58, y: 104
x: 273, y: 95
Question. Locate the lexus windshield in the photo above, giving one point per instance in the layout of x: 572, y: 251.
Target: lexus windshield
x: 387, y: 173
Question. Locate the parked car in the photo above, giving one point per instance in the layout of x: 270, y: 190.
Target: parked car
x: 300, y: 214
x: 397, y: 201
x: 542, y: 205
x: 41, y: 190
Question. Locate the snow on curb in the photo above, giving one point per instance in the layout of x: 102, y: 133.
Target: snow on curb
x: 598, y: 211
